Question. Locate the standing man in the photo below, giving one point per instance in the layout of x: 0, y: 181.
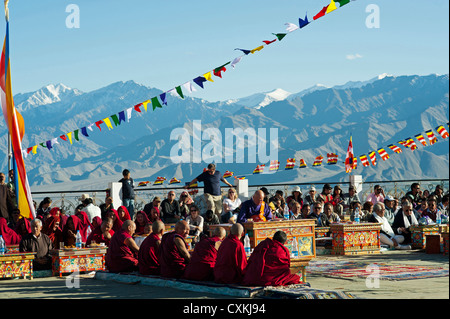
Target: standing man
x: 6, y: 201
x: 213, y: 195
x: 128, y: 192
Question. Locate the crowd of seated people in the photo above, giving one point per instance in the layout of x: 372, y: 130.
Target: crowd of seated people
x: 53, y: 228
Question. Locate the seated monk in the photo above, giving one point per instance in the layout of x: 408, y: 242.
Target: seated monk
x: 201, y: 266
x: 255, y: 209
x: 102, y: 233
x: 122, y: 250
x: 231, y: 260
x: 174, y: 251
x: 269, y: 264
x: 149, y: 251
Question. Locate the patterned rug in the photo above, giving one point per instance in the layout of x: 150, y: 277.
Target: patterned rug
x: 303, y: 292
x: 352, y: 269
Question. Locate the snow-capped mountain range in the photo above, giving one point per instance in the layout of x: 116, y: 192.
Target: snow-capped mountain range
x: 312, y: 122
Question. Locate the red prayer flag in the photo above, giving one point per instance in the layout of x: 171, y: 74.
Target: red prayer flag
x: 321, y: 13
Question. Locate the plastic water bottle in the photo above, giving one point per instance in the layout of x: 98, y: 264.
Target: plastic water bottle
x: 357, y: 220
x: 247, y: 247
x: 78, y: 242
x: 295, y: 247
x: 438, y: 218
x: 286, y: 212
x: 88, y: 231
x: 2, y: 245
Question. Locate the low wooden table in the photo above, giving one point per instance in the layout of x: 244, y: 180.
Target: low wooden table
x: 70, y: 260
x: 16, y: 264
x: 419, y: 234
x: 355, y: 239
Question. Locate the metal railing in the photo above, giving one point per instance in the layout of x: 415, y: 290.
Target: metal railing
x: 69, y: 200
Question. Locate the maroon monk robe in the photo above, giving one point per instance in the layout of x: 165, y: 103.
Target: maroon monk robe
x: 269, y: 266
x: 119, y: 257
x: 149, y: 255
x: 97, y: 236
x: 203, y: 259
x: 172, y: 262
x: 231, y: 261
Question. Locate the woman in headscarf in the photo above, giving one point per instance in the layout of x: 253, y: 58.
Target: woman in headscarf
x: 9, y: 236
x: 123, y: 213
x: 84, y: 224
x: 70, y: 230
x: 141, y: 221
x: 53, y: 231
x: 117, y: 223
x: 23, y: 227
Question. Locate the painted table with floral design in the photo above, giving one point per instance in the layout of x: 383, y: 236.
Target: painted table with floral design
x: 16, y: 264
x: 67, y: 261
x: 355, y: 239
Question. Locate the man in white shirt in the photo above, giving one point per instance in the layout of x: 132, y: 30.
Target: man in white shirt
x: 91, y: 210
x: 387, y: 235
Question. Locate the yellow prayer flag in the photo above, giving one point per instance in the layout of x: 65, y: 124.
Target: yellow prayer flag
x: 145, y: 104
x: 108, y: 123
x: 257, y: 49
x: 34, y: 149
x: 208, y: 76
x: 331, y: 7
x: 69, y: 135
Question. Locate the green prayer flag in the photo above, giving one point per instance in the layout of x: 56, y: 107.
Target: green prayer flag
x: 280, y: 36
x: 76, y: 135
x: 115, y: 119
x: 155, y: 103
x: 342, y: 2
x: 220, y: 67
x: 180, y: 93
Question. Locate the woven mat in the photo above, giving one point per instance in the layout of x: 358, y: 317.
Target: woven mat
x: 303, y: 292
x: 352, y: 269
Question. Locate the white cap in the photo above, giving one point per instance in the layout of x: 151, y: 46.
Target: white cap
x: 84, y: 196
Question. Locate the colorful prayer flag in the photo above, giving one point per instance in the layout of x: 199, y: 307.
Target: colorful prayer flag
x: 332, y: 158
x: 431, y: 137
x: 318, y: 161
x: 383, y: 154
x: 373, y: 158
x: 143, y: 183
x: 302, y: 163
x: 189, y: 185
x: 159, y: 180
x: 349, y: 157
x: 16, y: 127
x: 395, y: 148
x: 227, y: 174
x: 442, y: 131
x: 174, y: 181
x: 421, y: 139
x: 274, y: 165
x: 290, y: 163
x: 239, y: 177
x: 411, y: 144
x: 259, y: 169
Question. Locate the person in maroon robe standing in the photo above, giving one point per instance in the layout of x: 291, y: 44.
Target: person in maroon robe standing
x: 122, y: 251
x: 150, y: 252
x: 201, y: 266
x: 174, y: 251
x: 231, y: 260
x: 269, y: 264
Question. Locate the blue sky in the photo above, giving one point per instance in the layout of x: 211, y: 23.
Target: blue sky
x: 163, y: 44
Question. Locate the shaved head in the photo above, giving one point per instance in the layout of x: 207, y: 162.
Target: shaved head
x: 220, y: 232
x: 237, y: 229
x: 182, y: 228
x: 158, y: 226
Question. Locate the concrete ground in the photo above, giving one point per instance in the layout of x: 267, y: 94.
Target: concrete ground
x: 55, y: 288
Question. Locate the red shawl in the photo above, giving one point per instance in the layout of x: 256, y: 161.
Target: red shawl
x: 231, y: 261
x: 127, y: 214
x: 149, y: 255
x: 119, y: 257
x: 84, y: 224
x: 201, y: 266
x: 269, y: 266
x: 97, y: 236
x: 23, y: 222
x: 54, y: 235
x: 117, y: 226
x: 68, y: 240
x: 9, y: 236
x: 172, y: 262
x: 141, y: 227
